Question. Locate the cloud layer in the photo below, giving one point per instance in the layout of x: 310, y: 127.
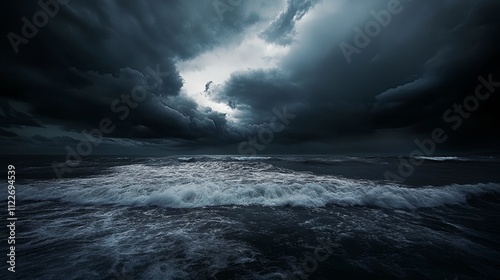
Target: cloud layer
x: 80, y: 65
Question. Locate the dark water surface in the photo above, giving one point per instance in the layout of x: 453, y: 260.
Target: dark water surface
x: 228, y: 217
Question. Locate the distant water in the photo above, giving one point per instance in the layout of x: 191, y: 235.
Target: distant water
x: 232, y: 217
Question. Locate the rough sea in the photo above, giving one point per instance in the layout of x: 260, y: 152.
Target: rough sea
x: 266, y: 217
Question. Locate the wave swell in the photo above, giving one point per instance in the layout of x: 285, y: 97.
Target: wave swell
x: 195, y: 184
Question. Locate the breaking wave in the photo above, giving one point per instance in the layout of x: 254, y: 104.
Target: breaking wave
x: 442, y: 158
x: 200, y: 184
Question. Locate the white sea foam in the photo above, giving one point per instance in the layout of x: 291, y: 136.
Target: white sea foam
x: 200, y: 184
x: 185, y: 159
x: 250, y: 158
x: 442, y: 158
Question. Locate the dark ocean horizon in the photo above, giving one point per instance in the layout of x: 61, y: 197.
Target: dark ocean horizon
x: 261, y: 217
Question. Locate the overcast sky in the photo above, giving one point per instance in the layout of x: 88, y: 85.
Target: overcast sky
x: 230, y: 71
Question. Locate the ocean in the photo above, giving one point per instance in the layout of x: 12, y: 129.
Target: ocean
x: 262, y: 217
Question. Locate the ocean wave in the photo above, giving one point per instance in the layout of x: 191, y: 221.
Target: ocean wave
x: 243, y: 158
x: 186, y: 159
x: 335, y: 161
x: 295, y: 159
x: 443, y: 158
x: 455, y: 158
x: 222, y: 158
x: 202, y: 184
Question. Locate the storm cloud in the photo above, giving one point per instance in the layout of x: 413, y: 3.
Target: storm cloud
x: 223, y: 77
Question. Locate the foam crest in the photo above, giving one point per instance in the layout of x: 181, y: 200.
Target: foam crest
x: 443, y: 158
x: 201, y: 184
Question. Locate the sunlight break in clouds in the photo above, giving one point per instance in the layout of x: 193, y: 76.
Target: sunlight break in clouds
x: 217, y: 66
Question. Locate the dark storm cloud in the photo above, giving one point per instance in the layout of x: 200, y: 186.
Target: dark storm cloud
x: 93, y: 52
x: 207, y: 86
x: 282, y: 30
x: 5, y: 133
x: 427, y: 59
x: 55, y: 141
x: 14, y: 118
x: 397, y: 88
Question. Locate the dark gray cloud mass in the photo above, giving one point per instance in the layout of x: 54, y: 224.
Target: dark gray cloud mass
x: 282, y: 29
x: 77, y: 68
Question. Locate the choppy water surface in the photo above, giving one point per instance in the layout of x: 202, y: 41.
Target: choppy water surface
x: 227, y: 217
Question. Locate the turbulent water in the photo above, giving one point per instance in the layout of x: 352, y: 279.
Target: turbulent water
x: 230, y: 217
